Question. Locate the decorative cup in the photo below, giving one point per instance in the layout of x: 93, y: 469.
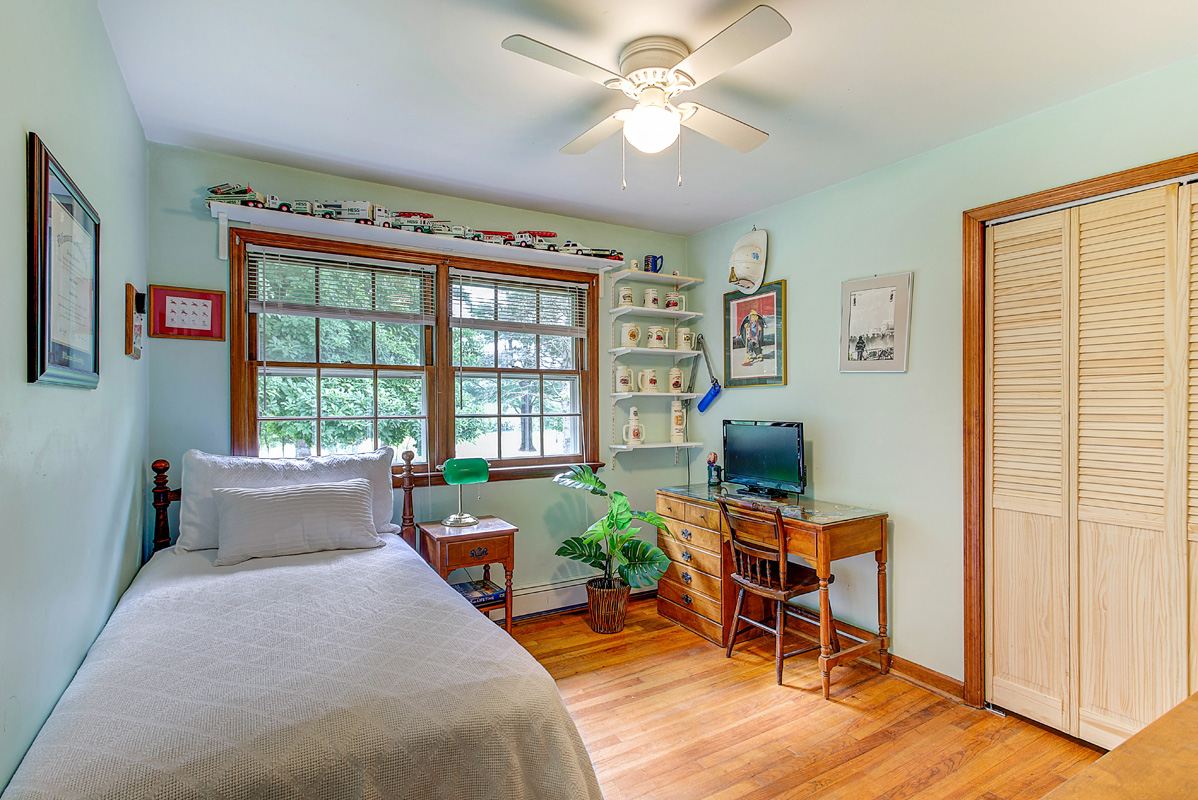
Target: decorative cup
x: 623, y: 379
x: 650, y: 298
x: 630, y: 334
x: 626, y: 296
x: 675, y: 302
x: 686, y: 339
x: 634, y: 433
x: 636, y: 266
x: 659, y: 337
x: 646, y: 381
x: 675, y: 381
x: 654, y: 263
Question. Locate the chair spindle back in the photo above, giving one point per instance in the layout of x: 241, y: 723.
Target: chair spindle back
x: 758, y: 541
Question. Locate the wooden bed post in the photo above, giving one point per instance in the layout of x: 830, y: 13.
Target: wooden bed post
x: 408, y: 521
x: 162, y: 500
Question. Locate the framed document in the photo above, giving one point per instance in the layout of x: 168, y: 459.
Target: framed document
x: 64, y: 276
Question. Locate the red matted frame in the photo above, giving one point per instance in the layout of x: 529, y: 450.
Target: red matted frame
x: 178, y: 313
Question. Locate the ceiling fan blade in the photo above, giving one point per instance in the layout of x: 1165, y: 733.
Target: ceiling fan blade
x: 539, y: 51
x: 723, y: 128
x: 740, y: 41
x: 596, y: 134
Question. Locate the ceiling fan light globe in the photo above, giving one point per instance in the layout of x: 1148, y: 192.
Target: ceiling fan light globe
x: 651, y: 128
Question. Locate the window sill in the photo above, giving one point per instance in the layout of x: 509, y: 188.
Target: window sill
x: 496, y: 474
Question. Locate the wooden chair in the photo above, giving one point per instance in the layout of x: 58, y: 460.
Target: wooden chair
x: 761, y: 567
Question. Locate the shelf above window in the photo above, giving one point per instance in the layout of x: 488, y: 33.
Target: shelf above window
x: 225, y: 213
x: 660, y: 313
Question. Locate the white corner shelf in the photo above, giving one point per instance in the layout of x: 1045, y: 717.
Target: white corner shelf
x: 660, y: 313
x: 678, y: 355
x: 621, y: 448
x: 671, y: 395
x: 225, y: 213
x: 653, y: 277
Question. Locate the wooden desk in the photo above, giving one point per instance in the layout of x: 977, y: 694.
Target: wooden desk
x: 491, y: 541
x: 695, y: 595
x: 1158, y: 763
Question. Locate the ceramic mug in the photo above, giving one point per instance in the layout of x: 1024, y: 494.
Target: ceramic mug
x: 627, y: 298
x: 686, y: 339
x: 650, y: 298
x: 675, y: 381
x: 654, y: 263
x: 636, y: 266
x: 646, y: 381
x: 675, y: 301
x: 634, y: 433
x: 630, y: 334
x: 659, y: 337
x: 623, y: 379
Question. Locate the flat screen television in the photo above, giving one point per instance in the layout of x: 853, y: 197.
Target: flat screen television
x: 765, y: 457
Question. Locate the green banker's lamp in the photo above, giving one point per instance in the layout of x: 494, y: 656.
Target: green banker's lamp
x: 458, y: 472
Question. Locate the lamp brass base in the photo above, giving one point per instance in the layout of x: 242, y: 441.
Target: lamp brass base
x: 459, y: 520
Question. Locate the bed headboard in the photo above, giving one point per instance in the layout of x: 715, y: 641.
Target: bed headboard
x: 164, y: 496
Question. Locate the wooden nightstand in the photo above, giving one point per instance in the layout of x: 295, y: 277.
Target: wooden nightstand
x: 491, y: 541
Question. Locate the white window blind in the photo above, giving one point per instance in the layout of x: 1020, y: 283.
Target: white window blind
x: 300, y: 283
x: 517, y: 305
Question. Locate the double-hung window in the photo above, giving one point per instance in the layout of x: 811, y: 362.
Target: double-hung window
x: 343, y: 348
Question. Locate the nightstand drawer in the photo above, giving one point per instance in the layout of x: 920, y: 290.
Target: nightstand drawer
x: 689, y: 598
x: 689, y: 534
x: 689, y: 556
x: 490, y: 550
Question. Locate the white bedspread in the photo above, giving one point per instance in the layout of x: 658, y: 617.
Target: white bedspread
x: 349, y: 674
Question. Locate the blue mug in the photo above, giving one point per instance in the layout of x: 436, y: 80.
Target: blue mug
x: 654, y: 263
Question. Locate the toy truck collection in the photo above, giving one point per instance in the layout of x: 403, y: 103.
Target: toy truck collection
x: 363, y: 212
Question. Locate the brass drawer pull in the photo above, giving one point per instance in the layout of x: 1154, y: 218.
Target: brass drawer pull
x: 686, y: 556
x: 686, y: 577
x: 686, y: 598
x: 478, y: 552
x: 686, y: 534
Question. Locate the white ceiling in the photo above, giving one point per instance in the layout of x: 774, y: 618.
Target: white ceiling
x: 420, y: 94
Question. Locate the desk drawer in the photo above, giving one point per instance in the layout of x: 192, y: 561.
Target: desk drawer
x: 687, y: 533
x: 689, y: 598
x: 693, y: 580
x: 672, y: 507
x: 704, y: 516
x: 691, y: 620
x: 689, y: 556
x: 479, y: 551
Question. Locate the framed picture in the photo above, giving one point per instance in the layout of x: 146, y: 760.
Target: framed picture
x: 177, y: 313
x: 64, y: 276
x: 875, y: 316
x: 755, y: 337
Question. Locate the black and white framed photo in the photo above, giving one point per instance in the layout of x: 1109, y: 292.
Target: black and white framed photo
x: 64, y: 276
x: 875, y: 316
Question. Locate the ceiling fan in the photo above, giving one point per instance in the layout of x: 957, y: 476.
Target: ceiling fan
x: 656, y: 69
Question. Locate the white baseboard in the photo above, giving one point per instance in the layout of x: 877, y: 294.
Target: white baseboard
x: 547, y: 597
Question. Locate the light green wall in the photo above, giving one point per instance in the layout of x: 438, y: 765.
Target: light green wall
x: 72, y: 462
x: 893, y: 442
x: 190, y: 380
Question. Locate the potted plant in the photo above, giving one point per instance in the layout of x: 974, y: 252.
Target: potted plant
x: 610, y: 544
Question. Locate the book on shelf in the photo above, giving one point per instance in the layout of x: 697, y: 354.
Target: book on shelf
x: 480, y: 592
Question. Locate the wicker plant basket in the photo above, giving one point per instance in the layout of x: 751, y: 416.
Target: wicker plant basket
x: 607, y: 600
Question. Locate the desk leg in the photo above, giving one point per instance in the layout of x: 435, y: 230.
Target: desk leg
x: 883, y: 628
x: 825, y: 632
x: 507, y: 605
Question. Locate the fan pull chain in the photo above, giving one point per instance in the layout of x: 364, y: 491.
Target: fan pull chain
x: 623, y: 169
x: 680, y: 159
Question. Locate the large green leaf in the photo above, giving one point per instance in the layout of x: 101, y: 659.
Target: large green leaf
x: 587, y: 552
x: 599, y: 531
x: 642, y: 563
x: 582, y: 477
x: 653, y: 518
x: 619, y: 511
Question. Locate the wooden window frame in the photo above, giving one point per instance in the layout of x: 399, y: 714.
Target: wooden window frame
x: 440, y: 386
x: 974, y: 377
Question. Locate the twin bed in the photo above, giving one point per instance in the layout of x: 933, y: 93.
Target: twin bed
x: 333, y: 674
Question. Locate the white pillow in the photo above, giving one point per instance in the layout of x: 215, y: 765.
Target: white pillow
x: 288, y: 520
x: 203, y: 472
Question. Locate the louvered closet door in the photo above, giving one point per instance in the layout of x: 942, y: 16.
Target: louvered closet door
x: 1027, y: 481
x: 1132, y: 302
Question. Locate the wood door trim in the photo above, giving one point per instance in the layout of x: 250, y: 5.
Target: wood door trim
x: 974, y: 376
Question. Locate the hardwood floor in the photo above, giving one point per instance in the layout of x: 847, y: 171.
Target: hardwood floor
x: 666, y: 716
